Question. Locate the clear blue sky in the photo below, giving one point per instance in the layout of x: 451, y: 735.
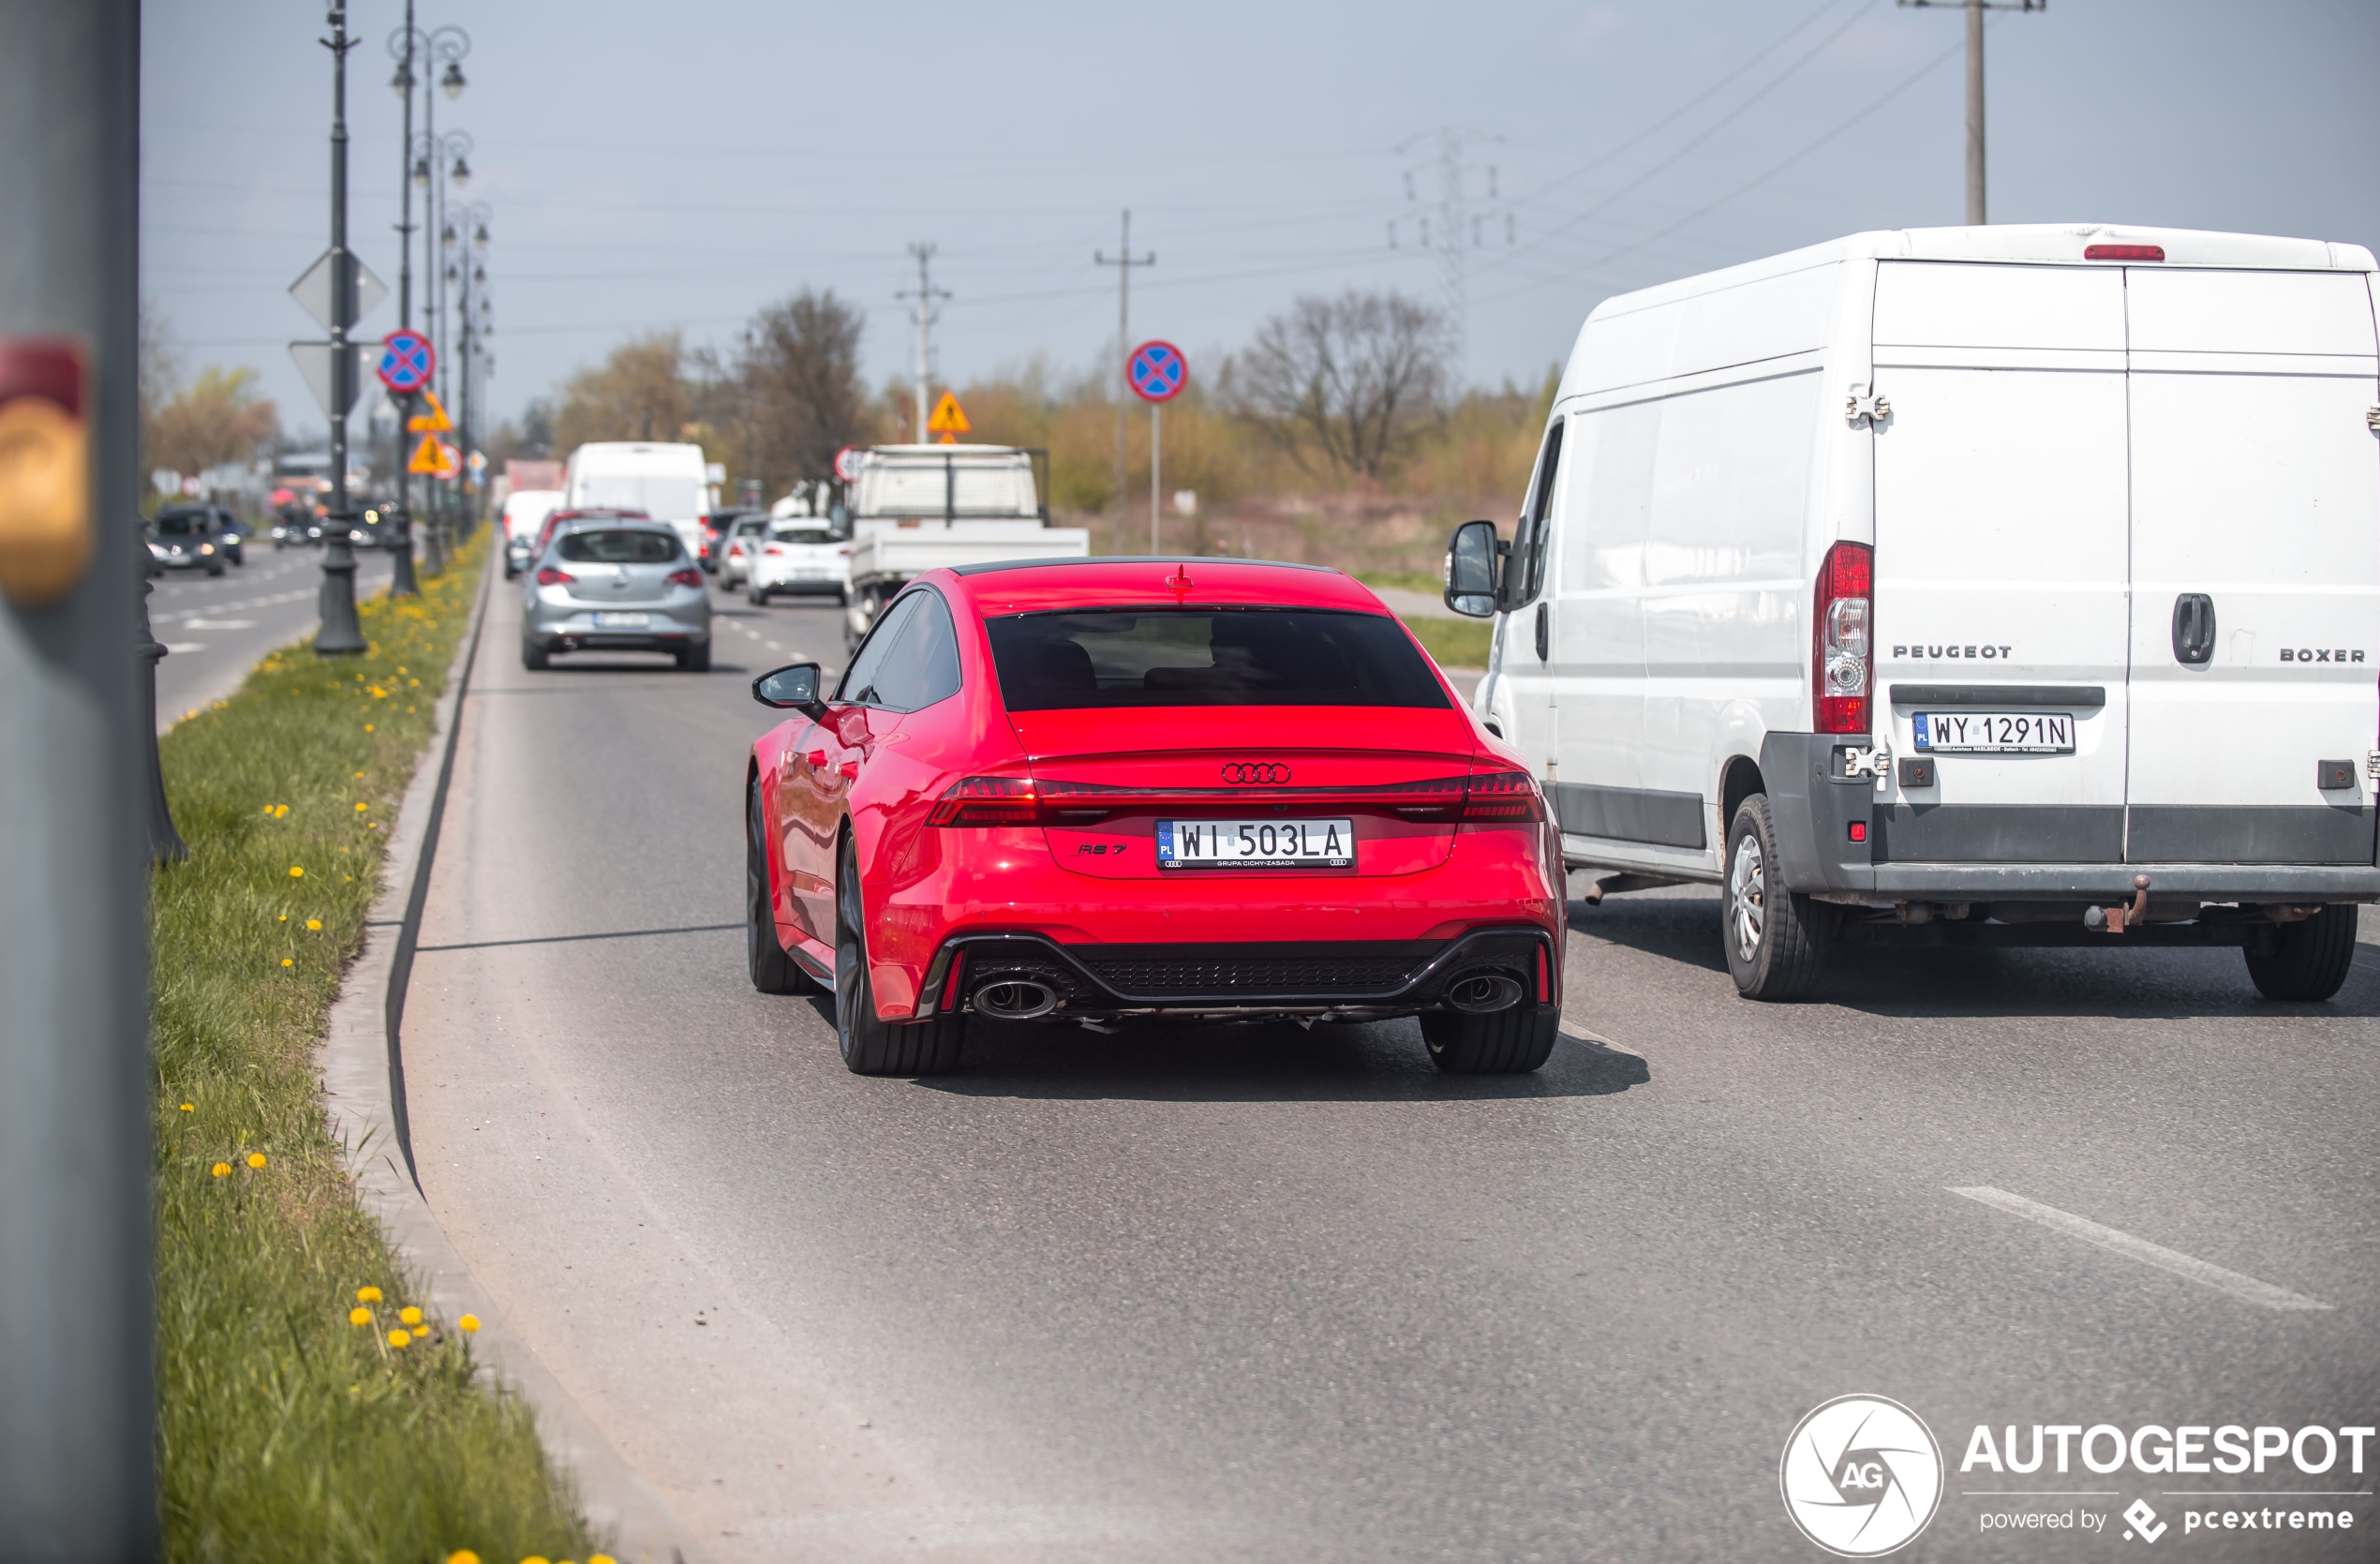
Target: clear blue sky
x: 680, y: 166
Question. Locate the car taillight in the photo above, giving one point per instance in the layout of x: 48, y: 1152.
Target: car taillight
x: 1503, y: 796
x: 1839, y: 657
x: 950, y: 982
x: 549, y: 576
x: 688, y: 577
x: 986, y: 801
x: 772, y: 549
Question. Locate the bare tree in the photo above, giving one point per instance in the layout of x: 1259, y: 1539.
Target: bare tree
x: 801, y: 386
x: 639, y: 392
x: 1356, y: 378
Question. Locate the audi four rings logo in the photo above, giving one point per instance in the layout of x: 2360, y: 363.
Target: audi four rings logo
x: 1256, y: 774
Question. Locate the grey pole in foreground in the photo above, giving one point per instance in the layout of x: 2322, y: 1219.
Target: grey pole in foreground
x: 1975, y: 8
x: 77, y: 1389
x: 401, y: 581
x: 342, y: 633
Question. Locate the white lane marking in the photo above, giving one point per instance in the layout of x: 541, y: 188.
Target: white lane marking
x: 2246, y: 1288
x: 218, y: 624
x: 171, y: 646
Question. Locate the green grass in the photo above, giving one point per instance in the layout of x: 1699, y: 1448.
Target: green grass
x: 1455, y: 643
x: 285, y: 1432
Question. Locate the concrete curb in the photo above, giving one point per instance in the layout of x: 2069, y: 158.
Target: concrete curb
x: 362, y: 1073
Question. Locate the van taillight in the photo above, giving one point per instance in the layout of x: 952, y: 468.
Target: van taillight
x: 2123, y: 252
x: 986, y: 801
x: 1502, y: 796
x: 1840, y: 657
x: 549, y: 576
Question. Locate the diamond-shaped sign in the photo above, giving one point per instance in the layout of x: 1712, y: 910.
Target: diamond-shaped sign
x: 313, y: 290
x: 314, y: 362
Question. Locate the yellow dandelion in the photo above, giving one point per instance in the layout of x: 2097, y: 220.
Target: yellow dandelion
x: 297, y: 872
x: 360, y: 808
x: 367, y: 727
x: 221, y: 1170
x: 367, y: 1295
x: 315, y: 924
x: 256, y: 1159
x: 400, y: 1338
x: 359, y: 1315
x: 280, y: 812
x: 287, y: 963
x: 462, y: 1556
x: 601, y: 1558
x: 284, y: 917
x: 413, y: 683
x: 359, y: 776
x: 410, y: 1315
x: 268, y: 809
x: 188, y: 1107
x: 470, y: 1324
x: 534, y: 1558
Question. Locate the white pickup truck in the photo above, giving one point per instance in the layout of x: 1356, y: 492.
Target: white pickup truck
x: 916, y: 508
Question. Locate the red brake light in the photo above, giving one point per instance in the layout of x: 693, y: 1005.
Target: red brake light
x: 687, y: 577
x: 549, y: 576
x: 772, y: 548
x: 1503, y: 796
x: 1544, y: 983
x: 987, y: 801
x: 2123, y: 252
x: 1839, y: 638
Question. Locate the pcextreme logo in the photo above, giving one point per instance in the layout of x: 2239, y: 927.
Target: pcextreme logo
x: 1861, y: 1476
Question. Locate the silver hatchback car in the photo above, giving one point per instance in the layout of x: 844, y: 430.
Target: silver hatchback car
x: 616, y: 585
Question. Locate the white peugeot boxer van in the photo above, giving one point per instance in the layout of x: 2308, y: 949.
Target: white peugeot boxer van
x: 667, y: 482
x: 2012, y: 585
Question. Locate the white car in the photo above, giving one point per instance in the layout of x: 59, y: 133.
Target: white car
x: 1995, y: 586
x: 798, y: 557
x: 524, y: 514
x: 736, y: 553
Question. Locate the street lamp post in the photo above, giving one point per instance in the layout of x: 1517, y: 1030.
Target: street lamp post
x: 437, y: 158
x: 342, y: 633
x: 428, y: 157
x: 469, y: 271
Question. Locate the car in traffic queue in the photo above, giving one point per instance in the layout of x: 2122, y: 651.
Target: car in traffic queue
x: 798, y: 557
x: 719, y: 529
x: 188, y: 537
x: 614, y: 583
x: 737, y: 546
x: 1107, y: 791
x: 523, y: 518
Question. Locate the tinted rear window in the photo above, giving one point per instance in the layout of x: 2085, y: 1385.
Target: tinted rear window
x: 623, y: 547
x: 182, y: 524
x: 1176, y: 657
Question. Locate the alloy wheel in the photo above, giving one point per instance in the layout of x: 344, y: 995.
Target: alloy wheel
x: 1747, y: 892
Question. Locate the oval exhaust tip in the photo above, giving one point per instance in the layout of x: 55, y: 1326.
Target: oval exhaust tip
x: 1479, y: 992
x: 1016, y: 999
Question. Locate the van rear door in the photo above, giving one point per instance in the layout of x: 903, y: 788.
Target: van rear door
x: 2000, y: 576
x: 2255, y: 550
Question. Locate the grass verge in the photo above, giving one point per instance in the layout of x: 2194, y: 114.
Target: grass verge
x: 307, y: 1411
x: 1455, y: 643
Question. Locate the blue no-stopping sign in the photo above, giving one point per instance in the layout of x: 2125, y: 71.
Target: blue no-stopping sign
x: 1157, y: 371
x: 407, y: 361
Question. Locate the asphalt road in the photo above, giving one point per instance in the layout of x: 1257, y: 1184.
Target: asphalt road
x: 215, y: 628
x: 1257, y: 1293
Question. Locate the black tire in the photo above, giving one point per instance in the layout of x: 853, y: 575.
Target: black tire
x: 774, y: 971
x: 871, y: 1046
x: 695, y: 660
x: 215, y: 567
x: 1775, y: 939
x: 1504, y: 1042
x: 757, y: 595
x: 2309, y: 960
x: 533, y: 656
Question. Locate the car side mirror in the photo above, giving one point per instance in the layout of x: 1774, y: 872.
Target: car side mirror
x: 793, y: 688
x: 1470, y: 570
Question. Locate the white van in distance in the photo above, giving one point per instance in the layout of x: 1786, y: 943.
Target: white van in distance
x: 2010, y: 585
x: 668, y: 483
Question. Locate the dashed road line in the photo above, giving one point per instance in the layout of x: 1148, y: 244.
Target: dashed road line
x: 2189, y: 1267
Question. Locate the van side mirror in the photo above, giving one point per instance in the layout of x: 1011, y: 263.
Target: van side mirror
x: 1470, y: 570
x: 793, y: 688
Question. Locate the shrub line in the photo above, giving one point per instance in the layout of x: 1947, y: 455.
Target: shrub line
x: 361, y: 1068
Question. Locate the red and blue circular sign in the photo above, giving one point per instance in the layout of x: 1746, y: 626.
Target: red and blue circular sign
x: 1157, y: 371
x: 407, y: 361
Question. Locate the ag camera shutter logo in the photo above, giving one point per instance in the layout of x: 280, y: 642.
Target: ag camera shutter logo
x: 1861, y: 1476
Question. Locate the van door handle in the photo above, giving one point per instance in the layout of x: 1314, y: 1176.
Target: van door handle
x: 1544, y: 626
x: 2193, y: 628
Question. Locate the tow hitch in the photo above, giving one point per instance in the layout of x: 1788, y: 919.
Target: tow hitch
x: 2112, y: 920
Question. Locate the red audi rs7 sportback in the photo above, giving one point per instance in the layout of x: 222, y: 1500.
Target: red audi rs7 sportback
x: 1104, y: 790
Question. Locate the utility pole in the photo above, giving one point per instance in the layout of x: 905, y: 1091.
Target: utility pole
x: 77, y: 1294
x: 1975, y: 10
x: 342, y: 633
x: 924, y: 313
x: 1123, y: 263
x: 1453, y: 222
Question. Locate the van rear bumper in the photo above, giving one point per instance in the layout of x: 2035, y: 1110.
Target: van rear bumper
x: 1813, y: 813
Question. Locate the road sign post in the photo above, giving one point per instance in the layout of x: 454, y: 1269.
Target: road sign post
x: 1159, y: 373
x: 406, y: 363
x: 949, y: 420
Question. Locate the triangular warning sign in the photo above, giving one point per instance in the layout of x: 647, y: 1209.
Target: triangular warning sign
x: 428, y: 456
x: 948, y: 419
x: 433, y: 422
